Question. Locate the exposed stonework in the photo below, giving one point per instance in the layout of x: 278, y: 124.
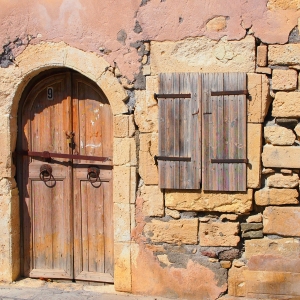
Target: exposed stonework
x: 258, y: 87
x: 283, y: 181
x: 262, y: 56
x: 284, y: 54
x: 219, y: 234
x: 276, y: 197
x: 146, y: 109
x: 148, y: 149
x: 222, y: 202
x: 254, y: 146
x: 284, y: 80
x: 278, y: 135
x: 153, y: 204
x: 175, y: 214
x: 183, y: 231
x: 283, y: 4
x: 282, y: 220
x: 216, y: 24
x: 124, y: 126
x: 286, y: 105
x: 203, y: 55
x: 281, y: 156
x: 124, y: 151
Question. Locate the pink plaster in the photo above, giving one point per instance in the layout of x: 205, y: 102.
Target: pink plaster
x: 92, y: 24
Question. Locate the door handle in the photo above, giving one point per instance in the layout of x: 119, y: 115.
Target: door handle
x: 93, y: 176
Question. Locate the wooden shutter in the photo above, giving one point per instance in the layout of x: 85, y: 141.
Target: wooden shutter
x: 224, y: 131
x: 179, y: 158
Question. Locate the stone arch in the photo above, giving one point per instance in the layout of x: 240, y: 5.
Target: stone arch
x: 32, y: 61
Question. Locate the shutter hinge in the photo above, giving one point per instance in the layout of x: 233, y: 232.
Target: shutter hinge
x: 156, y: 96
x: 228, y: 93
x: 229, y: 160
x: 171, y: 158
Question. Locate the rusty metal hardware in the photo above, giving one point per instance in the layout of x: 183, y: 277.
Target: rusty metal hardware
x: 49, y: 155
x: 227, y: 93
x: 229, y: 160
x: 93, y: 176
x: 46, y: 172
x: 156, y: 96
x: 171, y: 158
x: 70, y: 139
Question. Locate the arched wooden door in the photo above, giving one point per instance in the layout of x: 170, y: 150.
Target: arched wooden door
x: 67, y: 221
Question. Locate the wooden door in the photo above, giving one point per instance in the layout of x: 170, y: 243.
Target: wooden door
x: 67, y: 221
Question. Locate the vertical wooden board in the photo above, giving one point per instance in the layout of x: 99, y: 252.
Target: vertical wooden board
x: 176, y: 130
x: 108, y: 228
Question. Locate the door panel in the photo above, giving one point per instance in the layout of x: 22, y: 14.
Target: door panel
x: 67, y: 221
x: 93, y: 243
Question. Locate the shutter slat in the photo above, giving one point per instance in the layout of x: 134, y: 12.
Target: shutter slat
x: 226, y: 135
x: 176, y: 127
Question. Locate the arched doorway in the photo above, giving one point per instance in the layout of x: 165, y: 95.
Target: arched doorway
x: 66, y: 197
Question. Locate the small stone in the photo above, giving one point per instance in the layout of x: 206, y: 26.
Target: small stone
x: 266, y: 171
x: 226, y: 264
x: 172, y: 213
x: 287, y: 123
x: 283, y: 181
x: 278, y: 135
x: 204, y: 220
x: 117, y: 72
x: 238, y: 264
x: 257, y: 234
x: 147, y: 46
x: 228, y: 217
x: 125, y: 83
x: 216, y: 24
x: 297, y: 130
x: 210, y: 254
x: 251, y: 226
x: 194, y: 251
x: 213, y: 260
x: 146, y: 70
x: 229, y: 254
x: 255, y: 219
x: 286, y: 105
x: 286, y: 171
x: 262, y: 59
x: 145, y: 59
x: 284, y: 80
x: 264, y: 70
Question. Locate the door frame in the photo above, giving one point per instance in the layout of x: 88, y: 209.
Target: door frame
x: 32, y: 62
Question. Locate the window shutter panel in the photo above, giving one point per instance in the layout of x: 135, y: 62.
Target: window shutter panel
x: 224, y: 132
x: 179, y: 131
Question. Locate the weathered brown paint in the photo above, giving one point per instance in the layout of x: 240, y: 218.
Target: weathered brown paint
x: 67, y: 221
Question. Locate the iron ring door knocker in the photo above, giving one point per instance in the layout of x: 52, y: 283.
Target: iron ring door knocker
x: 93, y: 176
x: 46, y: 175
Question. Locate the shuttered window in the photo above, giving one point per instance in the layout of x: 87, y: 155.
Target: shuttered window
x: 202, y: 131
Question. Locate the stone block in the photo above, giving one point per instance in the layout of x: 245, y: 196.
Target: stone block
x: 284, y: 80
x: 175, y: 214
x: 183, y: 231
x: 122, y: 271
x: 285, y: 247
x: 283, y: 181
x: 254, y: 148
x: 114, y: 92
x: 121, y: 191
x: 146, y: 109
x: 262, y: 56
x: 260, y: 100
x: 282, y: 221
x: 228, y: 217
x: 276, y: 197
x: 236, y: 282
x: 219, y: 234
x: 124, y: 151
x: 148, y: 149
x: 283, y: 4
x: 226, y: 264
x: 124, y: 126
x: 229, y: 254
x: 122, y: 218
x: 153, y: 204
x: 202, y: 54
x: 279, y: 136
x: 257, y: 234
x: 216, y: 24
x: 133, y: 184
x: 281, y: 157
x: 255, y: 219
x: 274, y: 285
x: 288, y: 54
x: 251, y: 226
x: 203, y: 201
x: 297, y: 130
